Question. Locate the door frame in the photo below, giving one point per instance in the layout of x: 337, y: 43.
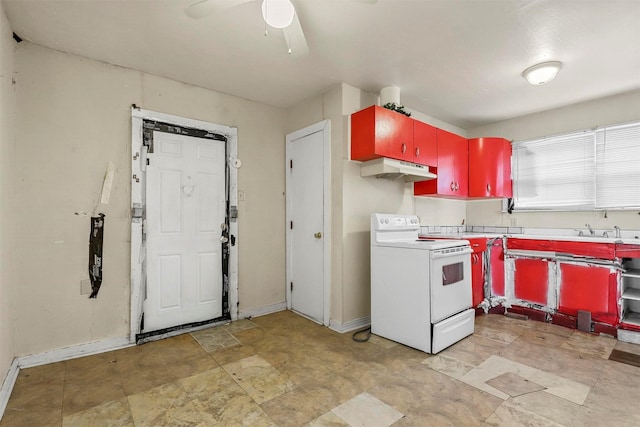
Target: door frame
x: 138, y: 176
x: 324, y: 127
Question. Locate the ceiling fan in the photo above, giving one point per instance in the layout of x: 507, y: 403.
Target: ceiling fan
x: 278, y: 14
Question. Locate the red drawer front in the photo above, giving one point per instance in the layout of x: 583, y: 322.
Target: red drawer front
x: 627, y: 251
x: 478, y: 244
x: 590, y: 249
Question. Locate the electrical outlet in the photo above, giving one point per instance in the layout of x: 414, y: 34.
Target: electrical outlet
x: 85, y: 287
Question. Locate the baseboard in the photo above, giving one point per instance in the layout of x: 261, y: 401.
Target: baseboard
x: 351, y: 325
x: 261, y: 311
x: 74, y: 351
x: 7, y: 385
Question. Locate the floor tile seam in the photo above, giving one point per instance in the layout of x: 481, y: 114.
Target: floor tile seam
x: 138, y: 392
x: 170, y: 362
x: 530, y: 414
x: 324, y: 408
x: 287, y: 378
x: 95, y: 406
x: 183, y: 393
x: 579, y: 351
x: 111, y: 378
x: 504, y: 343
x: 120, y: 386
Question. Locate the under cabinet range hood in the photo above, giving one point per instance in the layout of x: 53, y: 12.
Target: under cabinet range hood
x: 395, y: 169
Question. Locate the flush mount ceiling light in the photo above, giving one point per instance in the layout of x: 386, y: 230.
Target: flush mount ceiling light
x: 542, y: 73
x: 278, y: 13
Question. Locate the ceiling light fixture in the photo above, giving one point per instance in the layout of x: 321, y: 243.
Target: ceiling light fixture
x: 278, y: 13
x: 542, y: 73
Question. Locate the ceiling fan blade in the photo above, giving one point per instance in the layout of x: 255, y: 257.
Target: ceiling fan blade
x: 204, y: 8
x: 294, y: 36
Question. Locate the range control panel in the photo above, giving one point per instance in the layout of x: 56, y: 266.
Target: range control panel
x: 394, y: 222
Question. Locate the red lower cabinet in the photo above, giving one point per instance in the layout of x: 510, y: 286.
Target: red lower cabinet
x: 479, y: 246
x: 591, y: 288
x: 496, y: 267
x: 531, y: 280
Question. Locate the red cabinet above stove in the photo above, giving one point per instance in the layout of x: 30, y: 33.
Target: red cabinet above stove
x: 377, y: 132
x: 452, y: 170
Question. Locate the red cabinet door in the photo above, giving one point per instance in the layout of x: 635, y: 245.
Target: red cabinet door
x: 531, y: 280
x: 378, y: 132
x: 496, y: 256
x: 477, y: 269
x: 489, y: 167
x: 504, y: 187
x: 627, y: 251
x: 425, y: 144
x: 591, y: 288
x: 452, y: 171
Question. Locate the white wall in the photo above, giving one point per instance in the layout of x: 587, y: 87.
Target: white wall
x: 7, y: 185
x: 610, y: 110
x: 72, y: 118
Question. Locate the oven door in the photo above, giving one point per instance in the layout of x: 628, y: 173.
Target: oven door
x: 450, y: 282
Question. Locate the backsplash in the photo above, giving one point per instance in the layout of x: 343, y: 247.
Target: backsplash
x: 462, y: 229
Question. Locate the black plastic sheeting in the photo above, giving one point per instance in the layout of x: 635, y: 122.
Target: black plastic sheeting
x: 95, y: 253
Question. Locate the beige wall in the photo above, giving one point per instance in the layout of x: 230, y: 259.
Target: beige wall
x: 354, y: 198
x: 7, y: 185
x: 73, y: 117
x: 611, y: 110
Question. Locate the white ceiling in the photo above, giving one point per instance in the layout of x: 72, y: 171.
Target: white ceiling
x: 457, y: 60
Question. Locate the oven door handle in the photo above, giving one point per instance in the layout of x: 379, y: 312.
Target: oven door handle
x: 438, y: 254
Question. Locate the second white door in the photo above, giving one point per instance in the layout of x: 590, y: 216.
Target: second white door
x: 306, y: 222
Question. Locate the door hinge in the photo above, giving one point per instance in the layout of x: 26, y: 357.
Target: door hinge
x: 291, y: 225
x: 291, y: 164
x: 291, y: 288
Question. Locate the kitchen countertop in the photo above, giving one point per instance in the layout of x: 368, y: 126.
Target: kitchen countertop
x: 591, y: 239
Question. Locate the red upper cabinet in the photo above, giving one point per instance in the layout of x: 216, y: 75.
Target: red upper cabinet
x: 377, y: 132
x: 489, y: 167
x: 425, y: 144
x: 452, y: 170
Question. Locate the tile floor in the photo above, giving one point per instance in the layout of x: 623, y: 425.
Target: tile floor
x: 283, y: 370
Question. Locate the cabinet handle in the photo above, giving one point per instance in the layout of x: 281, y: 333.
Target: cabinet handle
x: 453, y: 186
x: 457, y: 186
x: 488, y: 188
x: 404, y: 148
x: 417, y: 152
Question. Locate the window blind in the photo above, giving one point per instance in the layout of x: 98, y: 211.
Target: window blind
x: 618, y: 166
x: 555, y: 172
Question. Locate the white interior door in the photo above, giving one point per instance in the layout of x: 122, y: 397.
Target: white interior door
x: 307, y: 247
x: 185, y: 207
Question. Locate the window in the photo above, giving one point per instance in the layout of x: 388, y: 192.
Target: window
x: 618, y: 166
x: 593, y: 169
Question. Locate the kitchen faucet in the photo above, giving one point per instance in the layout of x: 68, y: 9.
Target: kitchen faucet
x: 617, y: 231
x: 590, y: 229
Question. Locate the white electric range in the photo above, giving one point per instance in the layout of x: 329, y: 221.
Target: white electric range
x: 420, y: 289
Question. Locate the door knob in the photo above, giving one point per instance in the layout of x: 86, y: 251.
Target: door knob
x: 317, y: 235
